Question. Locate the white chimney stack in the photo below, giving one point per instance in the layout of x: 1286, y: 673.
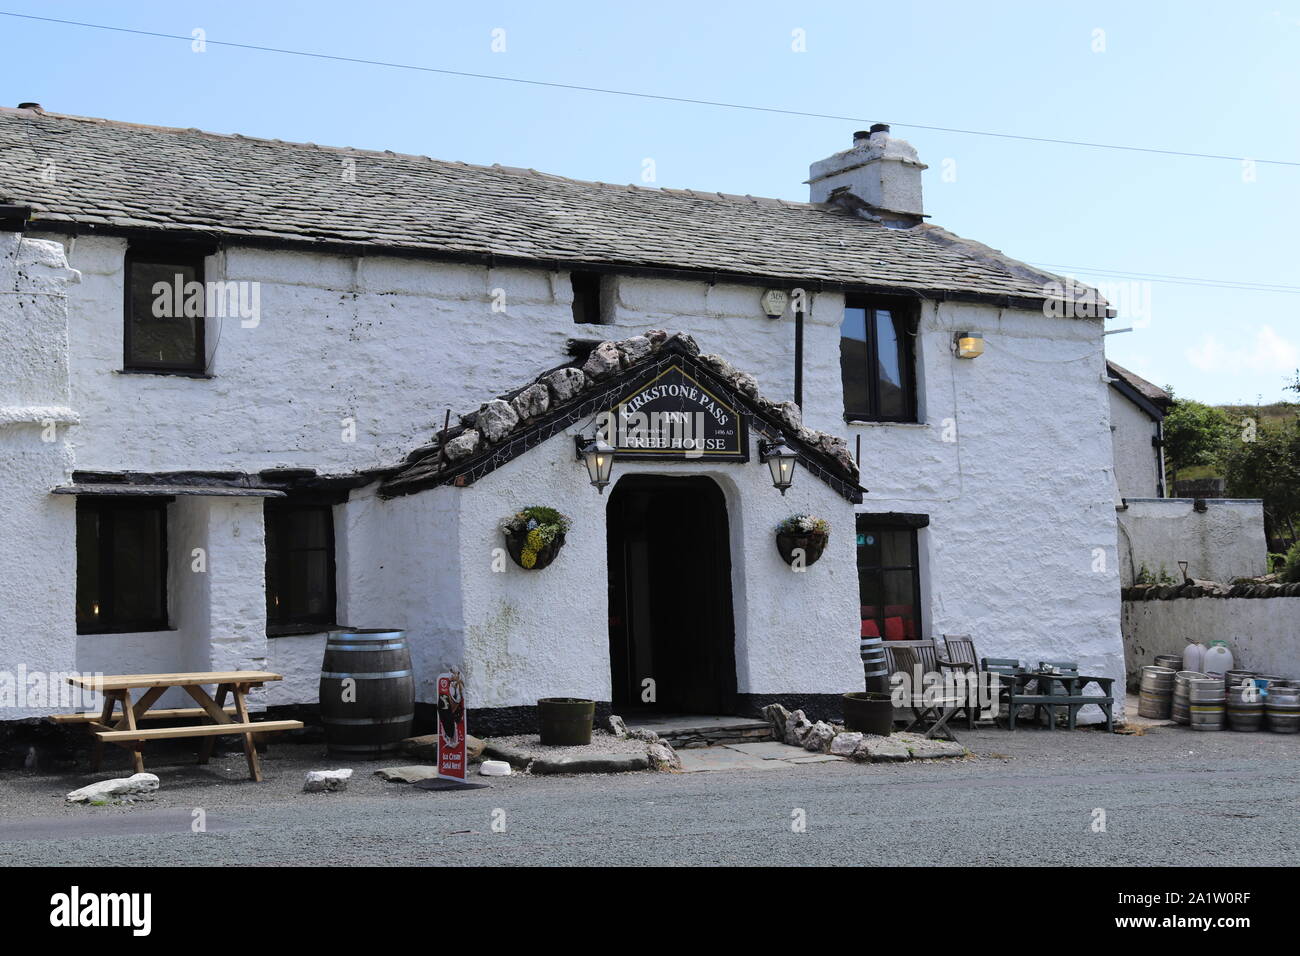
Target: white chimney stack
x: 879, y: 170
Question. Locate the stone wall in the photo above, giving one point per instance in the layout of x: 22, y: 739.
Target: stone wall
x: 1261, y: 624
x: 1222, y: 543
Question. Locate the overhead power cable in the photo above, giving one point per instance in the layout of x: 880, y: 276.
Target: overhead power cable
x: 1243, y: 286
x: 260, y: 48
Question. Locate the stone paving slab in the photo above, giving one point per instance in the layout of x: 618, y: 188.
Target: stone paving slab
x: 768, y: 750
x: 724, y: 758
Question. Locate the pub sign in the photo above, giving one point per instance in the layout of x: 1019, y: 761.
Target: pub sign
x: 673, y: 416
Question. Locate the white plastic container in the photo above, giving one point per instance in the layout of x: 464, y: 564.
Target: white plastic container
x: 1218, y: 659
x: 1194, y: 657
x: 494, y: 768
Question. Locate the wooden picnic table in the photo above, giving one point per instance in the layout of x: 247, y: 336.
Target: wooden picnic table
x: 216, y: 718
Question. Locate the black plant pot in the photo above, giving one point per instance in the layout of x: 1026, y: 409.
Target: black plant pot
x: 565, y: 721
x: 869, y: 712
x: 516, y: 541
x: 812, y: 544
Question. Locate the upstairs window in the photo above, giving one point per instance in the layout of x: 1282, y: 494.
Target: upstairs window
x: 586, y: 298
x: 299, y: 565
x: 877, y: 363
x: 121, y: 565
x: 164, y: 310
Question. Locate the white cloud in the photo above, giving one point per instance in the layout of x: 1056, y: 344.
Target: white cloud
x: 1269, y: 352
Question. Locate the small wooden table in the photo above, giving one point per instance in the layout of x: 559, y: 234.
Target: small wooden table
x: 216, y: 718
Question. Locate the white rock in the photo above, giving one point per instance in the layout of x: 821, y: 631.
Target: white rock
x: 845, y: 744
x: 532, y: 402
x: 319, y: 781
x: 796, y: 728
x: 137, y: 783
x: 495, y: 420
x: 565, y: 383
x: 617, y: 726
x: 819, y: 737
x: 602, y: 362
x: 663, y: 757
x: 463, y: 445
x: 494, y: 768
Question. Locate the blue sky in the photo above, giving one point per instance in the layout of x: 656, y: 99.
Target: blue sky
x: 1196, y: 77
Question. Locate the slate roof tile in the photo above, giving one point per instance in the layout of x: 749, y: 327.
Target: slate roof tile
x: 130, y: 175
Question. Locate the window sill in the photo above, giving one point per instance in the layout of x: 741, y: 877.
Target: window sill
x: 871, y: 421
x: 175, y: 372
x: 166, y: 629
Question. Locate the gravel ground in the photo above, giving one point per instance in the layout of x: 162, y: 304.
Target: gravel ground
x: 1170, y: 796
x: 602, y: 743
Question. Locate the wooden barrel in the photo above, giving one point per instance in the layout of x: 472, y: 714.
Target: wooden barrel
x: 1172, y: 661
x: 874, y: 669
x: 1282, y: 709
x: 367, y: 692
x: 1156, y: 693
x: 1179, y: 709
x: 1245, y: 707
x: 1205, y: 704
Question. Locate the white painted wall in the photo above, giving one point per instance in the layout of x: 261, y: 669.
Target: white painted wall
x: 1020, y: 552
x: 1137, y: 468
x: 37, y: 529
x: 1018, y: 502
x: 1262, y: 633
x: 1224, y: 542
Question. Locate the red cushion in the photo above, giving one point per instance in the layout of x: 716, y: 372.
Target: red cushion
x: 869, y: 629
x: 894, y: 630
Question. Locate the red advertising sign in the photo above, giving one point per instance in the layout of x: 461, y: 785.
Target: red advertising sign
x: 451, y: 726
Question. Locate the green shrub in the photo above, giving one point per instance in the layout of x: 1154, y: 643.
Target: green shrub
x: 1291, y: 566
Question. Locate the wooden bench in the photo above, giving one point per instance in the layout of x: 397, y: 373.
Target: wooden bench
x: 218, y: 719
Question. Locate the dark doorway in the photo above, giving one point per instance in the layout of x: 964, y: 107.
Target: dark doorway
x: 670, y: 615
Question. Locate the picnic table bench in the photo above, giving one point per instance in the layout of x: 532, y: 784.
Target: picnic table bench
x: 216, y: 718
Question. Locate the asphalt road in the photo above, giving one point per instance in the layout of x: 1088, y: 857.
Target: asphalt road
x: 1171, y: 796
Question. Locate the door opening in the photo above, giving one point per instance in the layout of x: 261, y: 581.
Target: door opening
x: 670, y: 612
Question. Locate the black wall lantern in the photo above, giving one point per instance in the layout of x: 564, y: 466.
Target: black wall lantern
x: 599, y: 457
x: 780, y: 461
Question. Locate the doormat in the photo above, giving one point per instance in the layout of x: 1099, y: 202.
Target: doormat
x: 447, y: 783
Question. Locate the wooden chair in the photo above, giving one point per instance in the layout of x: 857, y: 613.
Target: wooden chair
x: 933, y: 716
x: 1006, y: 668
x: 959, y: 655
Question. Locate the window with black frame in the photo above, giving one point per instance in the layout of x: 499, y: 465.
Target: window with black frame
x: 164, y: 310
x: 121, y: 565
x: 889, y: 580
x: 877, y: 362
x: 300, y: 569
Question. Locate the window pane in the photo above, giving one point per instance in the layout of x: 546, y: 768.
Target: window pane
x: 169, y: 339
x: 88, y: 586
x: 309, y: 528
x: 137, y: 555
x: 299, y: 563
x: 900, y: 611
x: 896, y: 549
x: 890, y: 366
x: 308, y: 585
x: 854, y: 362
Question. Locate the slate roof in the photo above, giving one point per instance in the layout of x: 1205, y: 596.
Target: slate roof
x: 117, y: 176
x: 1152, y: 393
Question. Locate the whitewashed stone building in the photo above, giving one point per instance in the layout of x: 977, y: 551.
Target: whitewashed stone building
x: 394, y: 353
x: 1217, y: 538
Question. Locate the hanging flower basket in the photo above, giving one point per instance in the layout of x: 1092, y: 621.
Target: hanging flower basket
x: 535, y: 536
x: 804, y: 533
